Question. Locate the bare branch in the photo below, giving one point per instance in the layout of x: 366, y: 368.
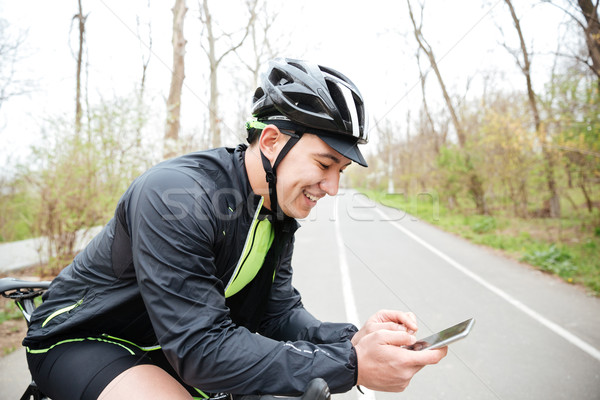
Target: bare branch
x: 10, y: 49
x: 569, y: 13
x: 215, y: 60
x: 252, y: 10
x: 145, y: 57
x: 81, y: 19
x: 429, y: 52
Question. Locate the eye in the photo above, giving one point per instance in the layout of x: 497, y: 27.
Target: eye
x: 324, y: 166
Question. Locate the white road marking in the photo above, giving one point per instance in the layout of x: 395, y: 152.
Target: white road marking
x: 348, y: 293
x: 568, y: 336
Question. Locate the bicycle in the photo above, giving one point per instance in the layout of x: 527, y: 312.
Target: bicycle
x: 24, y: 293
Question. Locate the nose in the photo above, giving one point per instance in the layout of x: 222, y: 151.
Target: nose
x: 331, y: 183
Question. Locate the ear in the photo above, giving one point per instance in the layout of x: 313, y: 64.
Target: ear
x: 271, y: 141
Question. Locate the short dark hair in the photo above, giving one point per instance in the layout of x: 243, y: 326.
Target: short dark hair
x: 253, y: 132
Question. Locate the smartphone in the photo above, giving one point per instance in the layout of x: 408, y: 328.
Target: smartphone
x: 445, y: 337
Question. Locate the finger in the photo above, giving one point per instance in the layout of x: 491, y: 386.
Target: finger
x: 441, y: 353
x: 413, y: 317
x: 397, y: 338
x: 391, y: 326
x: 429, y: 357
x: 399, y: 317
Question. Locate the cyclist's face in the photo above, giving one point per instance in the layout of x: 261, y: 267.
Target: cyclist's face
x: 307, y: 173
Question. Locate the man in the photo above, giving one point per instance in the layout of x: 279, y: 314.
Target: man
x: 166, y: 301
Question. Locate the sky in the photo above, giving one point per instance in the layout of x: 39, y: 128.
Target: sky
x: 372, y: 44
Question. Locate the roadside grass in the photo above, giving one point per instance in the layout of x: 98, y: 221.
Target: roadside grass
x: 567, y: 247
x: 12, y: 327
x: 9, y: 310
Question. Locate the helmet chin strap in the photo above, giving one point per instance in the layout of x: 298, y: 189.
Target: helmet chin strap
x: 272, y: 177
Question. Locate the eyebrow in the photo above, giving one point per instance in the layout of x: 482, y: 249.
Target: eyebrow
x: 332, y: 158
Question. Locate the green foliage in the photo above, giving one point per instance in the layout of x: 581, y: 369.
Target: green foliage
x: 452, y: 171
x: 17, y: 207
x: 9, y: 310
x: 552, y: 259
x: 78, y: 177
x: 572, y: 101
x: 424, y: 205
x: 484, y: 224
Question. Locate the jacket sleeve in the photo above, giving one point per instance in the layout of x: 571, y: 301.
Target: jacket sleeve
x: 173, y: 227
x: 287, y: 319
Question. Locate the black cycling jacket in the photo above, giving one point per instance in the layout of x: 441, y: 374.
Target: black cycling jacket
x: 157, y: 274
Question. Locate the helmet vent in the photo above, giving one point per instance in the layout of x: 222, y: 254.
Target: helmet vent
x: 258, y: 94
x: 279, y: 78
x: 300, y: 67
x: 338, y: 99
x: 306, y: 102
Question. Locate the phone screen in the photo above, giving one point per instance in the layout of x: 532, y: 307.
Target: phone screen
x: 445, y: 337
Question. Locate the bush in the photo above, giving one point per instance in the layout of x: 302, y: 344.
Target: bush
x: 78, y: 177
x: 552, y: 259
x: 484, y: 225
x: 16, y: 211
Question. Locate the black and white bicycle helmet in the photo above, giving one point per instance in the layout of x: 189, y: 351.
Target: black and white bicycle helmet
x: 302, y: 97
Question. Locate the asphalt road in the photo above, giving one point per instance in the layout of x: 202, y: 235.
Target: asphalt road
x: 535, y: 336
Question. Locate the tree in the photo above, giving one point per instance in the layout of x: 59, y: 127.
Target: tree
x: 177, y: 77
x: 572, y: 102
x: 429, y: 127
x: 589, y: 23
x: 215, y: 60
x: 81, y: 19
x: 475, y: 181
x: 591, y: 30
x: 523, y: 61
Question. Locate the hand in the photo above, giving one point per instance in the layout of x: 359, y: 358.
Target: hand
x: 384, y: 365
x: 387, y: 319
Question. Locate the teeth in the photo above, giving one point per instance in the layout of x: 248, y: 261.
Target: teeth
x: 313, y: 198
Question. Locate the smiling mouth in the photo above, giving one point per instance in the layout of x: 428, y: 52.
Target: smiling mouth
x: 310, y: 196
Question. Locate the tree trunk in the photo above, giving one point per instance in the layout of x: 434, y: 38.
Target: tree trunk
x: 213, y: 109
x: 177, y: 77
x: 539, y: 127
x: 78, y: 109
x: 592, y: 33
x: 586, y: 195
x: 214, y: 61
x: 434, y: 134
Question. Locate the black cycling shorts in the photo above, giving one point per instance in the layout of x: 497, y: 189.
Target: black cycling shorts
x: 82, y: 368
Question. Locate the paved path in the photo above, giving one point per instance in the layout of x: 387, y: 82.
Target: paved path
x: 536, y: 337
x: 25, y: 253
x: 14, y: 376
